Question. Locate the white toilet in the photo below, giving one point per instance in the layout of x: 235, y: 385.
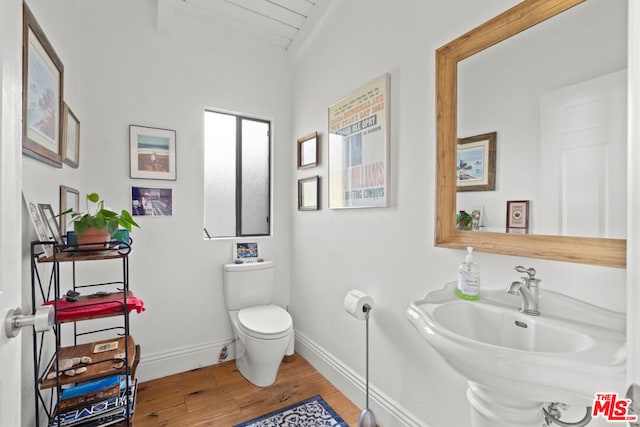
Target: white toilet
x: 263, y: 331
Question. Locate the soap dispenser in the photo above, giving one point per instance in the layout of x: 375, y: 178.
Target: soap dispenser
x: 468, y: 278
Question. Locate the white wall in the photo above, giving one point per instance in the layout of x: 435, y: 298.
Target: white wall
x: 389, y: 252
x: 119, y: 70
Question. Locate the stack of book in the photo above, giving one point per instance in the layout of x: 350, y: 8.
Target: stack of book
x: 101, y: 402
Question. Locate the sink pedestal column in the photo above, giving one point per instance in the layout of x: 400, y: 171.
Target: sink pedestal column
x: 490, y: 410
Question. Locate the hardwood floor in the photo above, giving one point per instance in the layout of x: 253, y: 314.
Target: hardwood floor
x: 219, y: 395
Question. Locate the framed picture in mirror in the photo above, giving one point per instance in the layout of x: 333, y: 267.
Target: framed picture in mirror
x: 517, y: 215
x: 476, y: 163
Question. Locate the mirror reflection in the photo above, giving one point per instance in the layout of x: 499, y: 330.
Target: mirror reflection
x: 555, y: 96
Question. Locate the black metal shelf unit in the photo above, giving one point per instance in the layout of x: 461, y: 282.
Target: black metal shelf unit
x: 112, y: 359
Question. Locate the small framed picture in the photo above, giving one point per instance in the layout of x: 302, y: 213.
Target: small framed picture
x: 245, y: 252
x: 151, y: 201
x: 70, y: 138
x: 50, y: 220
x: 476, y: 163
x: 69, y: 199
x: 308, y: 151
x: 153, y: 153
x: 40, y: 227
x: 518, y: 214
x: 308, y: 194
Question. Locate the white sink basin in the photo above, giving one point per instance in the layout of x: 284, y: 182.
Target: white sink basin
x: 570, y: 352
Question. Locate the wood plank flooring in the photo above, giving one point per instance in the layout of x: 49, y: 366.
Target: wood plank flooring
x: 219, y: 395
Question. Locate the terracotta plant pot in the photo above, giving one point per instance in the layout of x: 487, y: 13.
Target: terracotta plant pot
x: 93, y: 235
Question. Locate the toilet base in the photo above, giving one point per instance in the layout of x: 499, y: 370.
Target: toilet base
x: 258, y: 360
x: 257, y: 373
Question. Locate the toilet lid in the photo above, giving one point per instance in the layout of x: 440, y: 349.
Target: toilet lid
x: 265, y: 321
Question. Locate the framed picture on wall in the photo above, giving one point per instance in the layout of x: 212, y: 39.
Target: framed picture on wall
x: 153, y: 153
x: 151, y: 201
x: 308, y: 151
x: 309, y: 194
x: 42, y: 105
x: 71, y: 138
x: 359, y: 147
x: 69, y: 199
x: 476, y: 163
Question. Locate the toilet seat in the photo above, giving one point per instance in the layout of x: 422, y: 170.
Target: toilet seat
x: 267, y: 322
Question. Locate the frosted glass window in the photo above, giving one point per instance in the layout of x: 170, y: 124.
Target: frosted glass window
x: 237, y: 176
x: 255, y: 177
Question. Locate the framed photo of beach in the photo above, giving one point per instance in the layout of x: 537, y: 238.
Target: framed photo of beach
x: 153, y: 153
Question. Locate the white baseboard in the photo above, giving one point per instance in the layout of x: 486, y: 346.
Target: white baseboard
x: 183, y: 359
x: 388, y: 411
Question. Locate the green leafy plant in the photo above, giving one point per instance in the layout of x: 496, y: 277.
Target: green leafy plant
x: 463, y: 221
x: 101, y: 218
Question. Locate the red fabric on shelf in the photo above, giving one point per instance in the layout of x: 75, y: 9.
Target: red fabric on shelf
x: 104, y: 306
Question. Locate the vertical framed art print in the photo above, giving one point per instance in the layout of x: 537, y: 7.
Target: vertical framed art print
x: 71, y: 138
x: 359, y: 147
x: 42, y: 91
x: 153, y: 153
x: 308, y: 151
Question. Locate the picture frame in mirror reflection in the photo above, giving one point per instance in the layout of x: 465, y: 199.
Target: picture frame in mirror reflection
x: 517, y: 216
x: 476, y: 163
x: 308, y: 151
x: 309, y: 194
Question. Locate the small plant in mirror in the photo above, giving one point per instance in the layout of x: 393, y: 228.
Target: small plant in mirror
x: 463, y: 221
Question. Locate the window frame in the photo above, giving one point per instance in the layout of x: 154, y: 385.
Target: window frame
x: 238, y: 175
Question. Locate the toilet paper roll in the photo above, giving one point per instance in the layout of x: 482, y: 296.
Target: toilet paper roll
x: 354, y: 304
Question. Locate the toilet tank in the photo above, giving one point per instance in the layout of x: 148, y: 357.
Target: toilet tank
x: 248, y: 285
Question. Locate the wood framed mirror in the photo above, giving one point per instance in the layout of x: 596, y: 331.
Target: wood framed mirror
x: 588, y: 250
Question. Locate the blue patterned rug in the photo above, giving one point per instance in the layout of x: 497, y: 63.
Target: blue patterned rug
x: 313, y: 412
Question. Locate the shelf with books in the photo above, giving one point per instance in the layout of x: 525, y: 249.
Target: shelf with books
x: 109, y: 361
x: 115, y: 405
x: 84, y: 366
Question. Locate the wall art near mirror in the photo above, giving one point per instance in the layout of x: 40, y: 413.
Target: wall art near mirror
x: 70, y: 138
x: 308, y: 149
x: 309, y: 194
x: 153, y: 153
x: 42, y: 91
x: 359, y: 148
x: 476, y: 163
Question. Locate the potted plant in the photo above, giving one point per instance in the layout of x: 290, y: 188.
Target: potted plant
x: 98, y: 225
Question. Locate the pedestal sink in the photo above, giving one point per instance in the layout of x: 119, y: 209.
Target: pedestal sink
x: 514, y: 362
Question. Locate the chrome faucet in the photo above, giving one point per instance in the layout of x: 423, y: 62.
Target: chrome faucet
x: 528, y: 290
